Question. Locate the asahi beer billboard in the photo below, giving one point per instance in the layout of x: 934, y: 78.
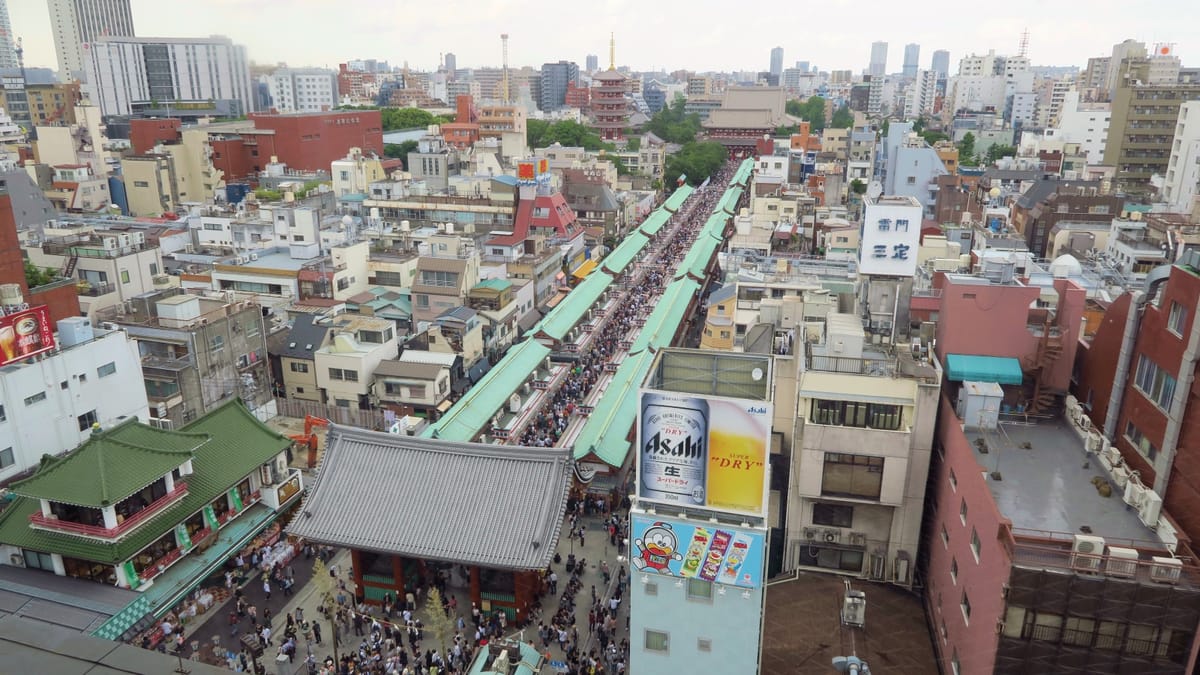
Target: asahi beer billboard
x: 704, y: 551
x: 24, y: 334
x: 703, y: 451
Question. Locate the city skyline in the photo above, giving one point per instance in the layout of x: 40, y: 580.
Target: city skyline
x: 400, y: 33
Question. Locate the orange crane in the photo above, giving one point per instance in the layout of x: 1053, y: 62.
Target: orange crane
x: 309, y: 439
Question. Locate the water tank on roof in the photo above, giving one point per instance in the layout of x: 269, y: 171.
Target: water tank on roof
x: 1065, y: 266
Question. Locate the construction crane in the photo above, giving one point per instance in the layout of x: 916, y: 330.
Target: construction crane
x: 308, y: 439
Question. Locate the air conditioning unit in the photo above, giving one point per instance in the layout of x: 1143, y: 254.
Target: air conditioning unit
x: 1113, y: 456
x: 811, y: 533
x: 1122, y: 562
x: 1087, y: 552
x: 1093, y: 442
x: 1150, y: 509
x: 514, y: 404
x: 1133, y: 493
x: 1120, y: 474
x: 858, y: 539
x: 831, y: 536
x: 1085, y: 423
x: 16, y: 560
x: 1165, y: 570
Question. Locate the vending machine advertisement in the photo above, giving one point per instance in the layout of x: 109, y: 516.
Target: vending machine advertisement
x: 704, y: 451
x: 707, y: 552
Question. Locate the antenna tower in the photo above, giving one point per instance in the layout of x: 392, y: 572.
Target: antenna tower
x: 1023, y: 50
x: 504, y: 80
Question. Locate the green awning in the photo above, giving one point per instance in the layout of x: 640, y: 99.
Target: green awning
x: 972, y: 368
x: 472, y: 414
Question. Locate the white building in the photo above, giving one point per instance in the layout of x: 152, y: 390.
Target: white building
x: 78, y: 22
x: 1023, y: 109
x: 122, y: 71
x: 920, y: 95
x: 48, y: 406
x: 346, y: 364
x: 1086, y: 125
x: 8, y: 57
x: 302, y: 89
x: 1181, y: 185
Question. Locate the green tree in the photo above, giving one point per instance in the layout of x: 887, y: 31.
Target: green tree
x: 966, y: 150
x: 695, y: 160
x: 811, y: 111
x: 268, y: 195
x: 535, y: 130
x: 438, y: 621
x: 918, y: 125
x: 37, y: 276
x: 932, y: 137
x: 566, y: 132
x: 997, y: 151
x: 633, y: 144
x: 673, y: 124
x: 842, y: 118
x: 858, y: 187
x: 400, y: 151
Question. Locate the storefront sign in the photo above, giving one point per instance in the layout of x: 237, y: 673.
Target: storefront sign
x: 708, y: 552
x: 288, y: 489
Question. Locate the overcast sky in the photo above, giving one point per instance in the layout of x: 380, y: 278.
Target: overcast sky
x: 660, y: 34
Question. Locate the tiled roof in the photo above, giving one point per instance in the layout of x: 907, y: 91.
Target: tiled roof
x: 238, y: 444
x: 490, y: 505
x: 305, y: 338
x: 110, y: 465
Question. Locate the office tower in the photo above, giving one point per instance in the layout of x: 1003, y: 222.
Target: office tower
x: 777, y: 62
x: 912, y: 55
x: 78, y: 22
x: 593, y: 63
x: 8, y: 57
x: 878, y: 67
x: 941, y: 63
x: 451, y: 63
x: 123, y: 72
x: 555, y: 78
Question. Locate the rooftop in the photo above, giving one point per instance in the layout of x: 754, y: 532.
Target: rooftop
x: 522, y: 491
x: 1046, y: 482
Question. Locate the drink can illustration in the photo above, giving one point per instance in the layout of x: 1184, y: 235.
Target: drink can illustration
x: 716, y: 555
x: 29, y: 337
x: 697, y: 547
x: 734, y: 559
x: 674, y: 448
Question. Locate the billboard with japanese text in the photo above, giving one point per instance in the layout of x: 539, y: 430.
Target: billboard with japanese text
x: 704, y: 551
x: 704, y: 451
x: 891, y: 235
x: 25, y: 333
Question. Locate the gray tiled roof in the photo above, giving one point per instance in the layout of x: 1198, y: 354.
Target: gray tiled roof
x: 305, y: 338
x: 489, y: 505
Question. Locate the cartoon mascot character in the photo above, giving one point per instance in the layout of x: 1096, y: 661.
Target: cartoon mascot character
x: 657, y: 550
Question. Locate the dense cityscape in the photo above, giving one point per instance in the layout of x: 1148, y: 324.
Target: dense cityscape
x: 493, y: 368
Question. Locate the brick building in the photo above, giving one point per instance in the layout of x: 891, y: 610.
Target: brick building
x: 302, y: 141
x: 1049, y: 201
x: 144, y: 134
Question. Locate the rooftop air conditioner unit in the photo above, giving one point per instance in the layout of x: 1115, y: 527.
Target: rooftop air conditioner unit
x: 1122, y: 562
x: 1120, y: 474
x: 1093, y: 441
x: 1150, y: 509
x: 1087, y: 552
x: 831, y: 536
x: 811, y: 533
x: 1111, y: 457
x: 1165, y: 570
x: 858, y: 539
x: 1085, y: 423
x: 1133, y: 493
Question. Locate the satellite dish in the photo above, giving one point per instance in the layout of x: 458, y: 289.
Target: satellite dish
x: 994, y: 192
x: 874, y: 190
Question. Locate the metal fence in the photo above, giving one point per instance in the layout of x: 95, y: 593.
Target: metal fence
x: 366, y: 419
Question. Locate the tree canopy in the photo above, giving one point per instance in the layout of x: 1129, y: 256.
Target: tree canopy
x: 400, y: 151
x: 404, y: 118
x: 811, y: 111
x: 966, y: 151
x: 842, y: 118
x: 38, y: 276
x: 695, y: 160
x: 673, y: 125
x: 997, y: 151
x: 541, y: 134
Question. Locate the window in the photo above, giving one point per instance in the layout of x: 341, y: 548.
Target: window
x: 965, y: 604
x: 833, y: 515
x: 912, y: 180
x: 39, y: 561
x: 298, y: 367
x: 3, y: 415
x: 1155, y: 383
x: 124, y: 276
x: 6, y: 458
x: 856, y: 414
x: 945, y: 537
x: 1177, y: 318
x: 141, y: 184
x: 343, y: 374
x: 954, y: 570
x: 38, y: 397
x: 107, y: 369
x: 651, y: 588
x: 656, y: 640
x: 153, y: 269
x: 217, y: 343
x: 1138, y: 440
x: 852, y: 475
x: 953, y: 481
x: 87, y: 419
x: 962, y: 511
x: 699, y: 589
x: 976, y: 545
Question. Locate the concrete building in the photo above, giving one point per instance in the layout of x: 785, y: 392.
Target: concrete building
x: 302, y: 89
x: 124, y: 71
x: 1142, y: 131
x: 434, y: 162
x: 442, y: 284
x: 878, y: 63
x: 345, y: 365
x: 354, y: 173
x: 78, y: 22
x: 74, y: 188
x: 1048, y: 201
x: 911, y: 167
x: 555, y: 79
x: 1084, y: 123
x: 921, y: 95
x: 52, y: 104
x: 941, y: 64
x: 592, y: 62
x: 1181, y: 185
x: 776, y: 68
x: 297, y: 360
x: 912, y: 60
x: 8, y: 55
x: 302, y: 141
x: 197, y: 352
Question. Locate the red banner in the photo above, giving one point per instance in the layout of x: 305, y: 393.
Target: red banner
x: 25, y: 334
x: 525, y: 171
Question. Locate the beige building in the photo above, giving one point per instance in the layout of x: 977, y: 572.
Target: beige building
x: 159, y: 181
x: 718, y: 320
x: 346, y: 364
x: 442, y: 284
x: 410, y: 388
x: 297, y: 358
x: 354, y: 173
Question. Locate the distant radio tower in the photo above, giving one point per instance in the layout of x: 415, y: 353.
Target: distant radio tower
x: 1024, y: 49
x: 504, y: 79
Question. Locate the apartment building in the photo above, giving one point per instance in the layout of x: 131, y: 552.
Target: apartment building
x: 75, y: 23
x: 346, y: 364
x: 1182, y: 184
x: 297, y: 358
x: 302, y: 89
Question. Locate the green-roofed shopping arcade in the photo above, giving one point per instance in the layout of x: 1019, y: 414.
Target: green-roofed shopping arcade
x: 165, y: 500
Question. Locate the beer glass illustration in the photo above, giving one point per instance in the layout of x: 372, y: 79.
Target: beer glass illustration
x: 674, y: 448
x: 8, y: 342
x: 737, y: 457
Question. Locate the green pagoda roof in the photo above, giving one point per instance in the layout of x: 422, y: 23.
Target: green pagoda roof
x: 111, y: 465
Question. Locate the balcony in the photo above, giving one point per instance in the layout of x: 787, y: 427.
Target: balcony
x: 94, y: 290
x: 288, y: 486
x: 167, y: 362
x: 53, y: 524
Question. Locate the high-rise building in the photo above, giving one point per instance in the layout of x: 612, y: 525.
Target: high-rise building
x: 593, y: 63
x: 302, y: 89
x: 8, y: 57
x: 124, y: 71
x: 878, y: 66
x: 450, y: 62
x: 555, y: 79
x: 1127, y: 49
x: 777, y: 61
x: 79, y: 22
x: 912, y: 57
x: 941, y: 63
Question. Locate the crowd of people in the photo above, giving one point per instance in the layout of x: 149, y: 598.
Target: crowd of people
x: 602, y: 347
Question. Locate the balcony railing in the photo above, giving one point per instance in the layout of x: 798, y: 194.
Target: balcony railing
x: 125, y: 527
x: 95, y: 290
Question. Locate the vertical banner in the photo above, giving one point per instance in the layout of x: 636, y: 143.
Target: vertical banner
x: 235, y: 499
x: 210, y: 517
x: 131, y: 575
x: 182, y: 536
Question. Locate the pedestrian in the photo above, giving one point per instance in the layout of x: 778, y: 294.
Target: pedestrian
x: 316, y: 629
x: 265, y: 635
x: 267, y: 587
x: 234, y: 620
